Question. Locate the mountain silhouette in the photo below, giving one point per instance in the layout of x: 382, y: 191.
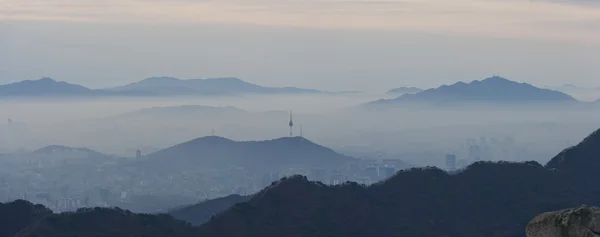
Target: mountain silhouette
x: 105, y: 222
x: 155, y: 86
x: 200, y: 213
x: 494, y: 89
x: 404, y: 90
x: 58, y: 150
x: 18, y: 215
x: 212, y: 152
x: 583, y: 156
x: 45, y: 87
x: 484, y: 199
x: 212, y: 86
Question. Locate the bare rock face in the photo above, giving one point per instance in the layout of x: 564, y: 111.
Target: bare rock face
x: 583, y: 221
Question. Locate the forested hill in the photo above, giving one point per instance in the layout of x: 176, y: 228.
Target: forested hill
x: 23, y: 219
x: 485, y: 199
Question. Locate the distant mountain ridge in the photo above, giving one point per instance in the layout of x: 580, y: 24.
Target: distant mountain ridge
x: 494, y: 89
x: 404, y: 90
x: 58, y: 150
x: 156, y: 86
x: 216, y: 151
x: 45, y: 87
x: 211, y: 86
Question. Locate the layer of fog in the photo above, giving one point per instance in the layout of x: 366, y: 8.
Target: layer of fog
x: 419, y: 136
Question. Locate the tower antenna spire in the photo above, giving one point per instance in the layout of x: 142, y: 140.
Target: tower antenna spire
x: 291, y: 124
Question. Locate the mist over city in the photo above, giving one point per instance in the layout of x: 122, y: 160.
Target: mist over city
x: 283, y: 118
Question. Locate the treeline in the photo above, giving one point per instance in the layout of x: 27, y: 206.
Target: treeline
x: 23, y: 219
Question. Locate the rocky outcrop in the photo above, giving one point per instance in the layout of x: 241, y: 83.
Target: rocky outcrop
x: 583, y: 221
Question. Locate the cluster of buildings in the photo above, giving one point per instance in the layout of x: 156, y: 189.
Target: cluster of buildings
x: 363, y: 172
x: 474, y: 150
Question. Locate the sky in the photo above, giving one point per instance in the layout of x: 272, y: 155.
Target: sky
x: 369, y: 45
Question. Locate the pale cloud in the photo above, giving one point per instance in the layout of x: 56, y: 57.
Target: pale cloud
x: 550, y: 19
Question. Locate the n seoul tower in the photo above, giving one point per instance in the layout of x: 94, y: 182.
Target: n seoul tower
x: 291, y: 124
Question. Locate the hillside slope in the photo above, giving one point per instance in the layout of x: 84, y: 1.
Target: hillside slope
x: 45, y: 87
x: 200, y: 213
x: 485, y: 199
x: 221, y: 152
x: 404, y: 90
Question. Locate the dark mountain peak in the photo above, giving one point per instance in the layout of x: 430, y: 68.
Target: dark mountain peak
x: 23, y: 204
x: 291, y: 180
x: 287, y: 188
x: 200, y: 213
x: 492, y: 90
x: 583, y: 156
x: 421, y: 175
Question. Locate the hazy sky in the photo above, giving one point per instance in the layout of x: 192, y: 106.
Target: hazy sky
x: 326, y: 44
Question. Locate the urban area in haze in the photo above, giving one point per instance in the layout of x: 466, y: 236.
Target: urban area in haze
x: 316, y: 118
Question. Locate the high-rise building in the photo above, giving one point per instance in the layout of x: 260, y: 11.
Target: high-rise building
x: 451, y: 162
x: 337, y: 178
